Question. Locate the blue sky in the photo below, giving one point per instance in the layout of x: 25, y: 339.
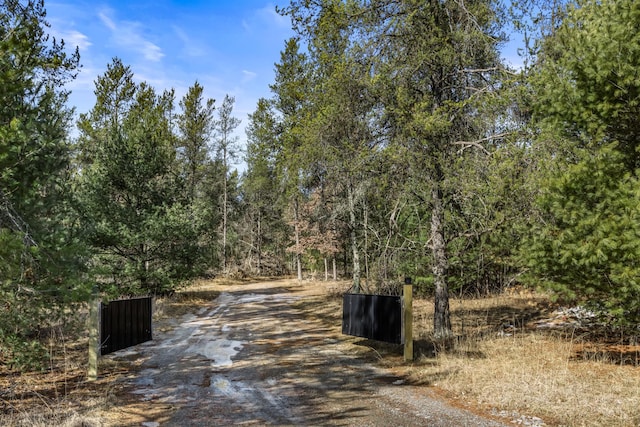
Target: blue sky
x: 230, y: 47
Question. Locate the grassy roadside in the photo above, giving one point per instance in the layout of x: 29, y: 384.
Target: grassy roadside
x: 61, y: 395
x: 506, y: 364
x: 500, y: 363
x: 503, y: 363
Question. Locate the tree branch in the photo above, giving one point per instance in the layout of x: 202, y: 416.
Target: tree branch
x: 478, y: 143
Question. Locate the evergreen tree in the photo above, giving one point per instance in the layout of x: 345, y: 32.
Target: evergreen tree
x: 445, y: 63
x: 340, y: 139
x: 133, y: 202
x: 226, y: 146
x: 433, y: 66
x: 261, y: 192
x: 195, y: 125
x: 587, y: 103
x: 40, y: 256
x: 290, y: 99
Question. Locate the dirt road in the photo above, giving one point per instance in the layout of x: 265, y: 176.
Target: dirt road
x: 264, y: 354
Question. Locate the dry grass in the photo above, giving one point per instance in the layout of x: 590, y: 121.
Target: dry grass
x: 182, y: 302
x: 502, y: 363
x: 60, y: 396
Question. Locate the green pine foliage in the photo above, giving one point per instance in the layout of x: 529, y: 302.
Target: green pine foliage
x: 41, y: 257
x: 226, y: 148
x: 589, y: 247
x: 195, y: 125
x: 203, y: 176
x: 587, y: 100
x: 265, y: 227
x: 133, y: 200
x: 588, y: 87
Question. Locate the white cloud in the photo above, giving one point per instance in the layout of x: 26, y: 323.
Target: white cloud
x: 129, y: 35
x: 189, y: 47
x: 265, y: 19
x: 85, y: 78
x: 248, y: 76
x: 107, y: 21
x: 246, y: 26
x: 63, y: 30
x: 75, y: 38
x: 152, y: 52
x: 269, y: 14
x: 181, y: 34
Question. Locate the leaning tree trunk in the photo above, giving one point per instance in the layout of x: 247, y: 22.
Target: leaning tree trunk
x: 442, y: 316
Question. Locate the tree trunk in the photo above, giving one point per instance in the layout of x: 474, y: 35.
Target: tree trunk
x: 326, y: 269
x: 259, y: 242
x: 354, y: 243
x: 366, y: 241
x: 224, y: 213
x: 345, y: 259
x: 335, y: 269
x: 144, y: 274
x: 442, y: 316
x: 297, y: 235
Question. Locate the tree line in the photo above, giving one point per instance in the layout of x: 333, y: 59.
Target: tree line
x: 397, y: 142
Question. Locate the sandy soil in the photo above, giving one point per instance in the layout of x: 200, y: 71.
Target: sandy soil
x: 263, y: 354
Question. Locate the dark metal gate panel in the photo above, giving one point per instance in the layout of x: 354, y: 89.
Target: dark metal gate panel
x: 124, y: 323
x: 377, y: 317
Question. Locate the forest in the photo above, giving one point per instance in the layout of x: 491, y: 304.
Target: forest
x: 396, y: 143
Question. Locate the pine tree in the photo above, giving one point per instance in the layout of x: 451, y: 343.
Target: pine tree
x: 291, y: 82
x: 196, y: 126
x: 432, y: 66
x: 587, y: 101
x: 261, y: 191
x: 226, y: 146
x: 134, y: 204
x: 40, y: 257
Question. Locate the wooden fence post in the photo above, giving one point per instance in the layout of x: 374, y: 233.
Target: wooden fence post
x: 94, y: 337
x: 408, y: 319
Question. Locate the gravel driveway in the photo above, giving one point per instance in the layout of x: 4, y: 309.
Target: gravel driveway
x: 258, y: 355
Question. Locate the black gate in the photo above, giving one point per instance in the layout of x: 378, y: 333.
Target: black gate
x: 377, y: 317
x: 124, y: 323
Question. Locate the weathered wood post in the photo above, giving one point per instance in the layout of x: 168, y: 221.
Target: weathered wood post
x: 407, y: 320
x: 94, y: 334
